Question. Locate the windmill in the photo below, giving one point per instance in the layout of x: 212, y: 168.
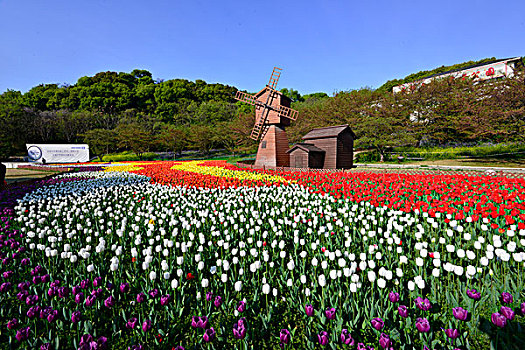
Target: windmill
x: 272, y: 115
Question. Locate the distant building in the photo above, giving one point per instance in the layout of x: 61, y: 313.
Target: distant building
x: 337, y: 143
x: 484, y: 71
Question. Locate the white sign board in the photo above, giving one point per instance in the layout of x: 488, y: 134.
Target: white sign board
x: 57, y: 153
x: 485, y: 72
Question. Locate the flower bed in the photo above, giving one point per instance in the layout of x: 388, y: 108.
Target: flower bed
x: 204, y: 254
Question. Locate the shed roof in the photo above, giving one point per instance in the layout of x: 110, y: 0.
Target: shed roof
x: 330, y: 131
x: 308, y: 147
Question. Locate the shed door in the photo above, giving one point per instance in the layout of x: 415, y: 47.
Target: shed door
x: 299, y: 160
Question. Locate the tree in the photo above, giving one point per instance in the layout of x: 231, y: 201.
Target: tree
x: 200, y: 138
x: 100, y: 141
x: 173, y: 138
x: 13, y: 120
x: 135, y: 137
x: 293, y: 94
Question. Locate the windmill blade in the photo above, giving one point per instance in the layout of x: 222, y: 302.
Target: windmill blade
x: 260, y: 125
x: 244, y: 97
x: 287, y: 112
x: 274, y: 78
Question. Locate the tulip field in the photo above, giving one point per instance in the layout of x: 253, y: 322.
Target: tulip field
x: 206, y: 255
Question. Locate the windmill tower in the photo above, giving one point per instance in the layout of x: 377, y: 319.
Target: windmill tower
x: 272, y: 115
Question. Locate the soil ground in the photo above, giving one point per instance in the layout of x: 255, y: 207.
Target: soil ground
x: 18, y: 175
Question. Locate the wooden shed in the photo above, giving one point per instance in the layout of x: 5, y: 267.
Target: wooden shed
x: 338, y: 144
x: 306, y: 155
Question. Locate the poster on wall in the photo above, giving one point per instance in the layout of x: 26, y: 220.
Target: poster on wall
x: 55, y: 153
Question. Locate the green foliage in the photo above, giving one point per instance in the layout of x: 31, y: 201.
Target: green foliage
x: 100, y: 141
x: 129, y: 156
x: 483, y: 151
x: 173, y: 138
x: 13, y: 121
x: 134, y: 136
x: 387, y: 87
x: 293, y: 94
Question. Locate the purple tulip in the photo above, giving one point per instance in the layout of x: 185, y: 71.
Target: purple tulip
x: 346, y: 337
x: 393, y: 297
x: 218, y: 301
x: 22, y: 295
x: 136, y: 347
x: 209, y: 335
x: 33, y: 311
x: 90, y: 300
x: 46, y: 346
x: 239, y: 331
x: 75, y: 316
x: 146, y: 325
x: 330, y: 313
x: 199, y: 322
x: 87, y: 343
x: 37, y: 280
x: 180, y: 347
x: 460, y: 313
x: 6, y: 286
x: 97, y: 282
x: 141, y: 297
x: 422, y: 325
x: 84, y: 283
x: 79, y: 297
x: 507, y: 312
x: 384, y: 341
x: 7, y: 274
x: 53, y: 315
x: 55, y: 283
x: 499, y: 320
x: 423, y: 304
x: 522, y: 308
x: 24, y: 285
x: 378, y: 323
x: 241, y: 306
x: 285, y: 336
x: 46, y: 278
x: 22, y: 334
x: 102, y: 343
x: 309, y: 310
x: 506, y: 298
x: 75, y: 290
x: 132, y: 323
x: 25, y: 262
x: 109, y: 302
x: 209, y: 296
x: 124, y: 287
x: 322, y: 338
x: 31, y: 299
x: 165, y: 299
x: 403, y: 311
x: 12, y: 324
x: 154, y: 293
x: 452, y: 333
x: 473, y: 294
x: 63, y: 292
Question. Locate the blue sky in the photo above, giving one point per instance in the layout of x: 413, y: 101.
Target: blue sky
x: 324, y: 46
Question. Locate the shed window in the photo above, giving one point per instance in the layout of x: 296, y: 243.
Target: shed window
x: 263, y: 144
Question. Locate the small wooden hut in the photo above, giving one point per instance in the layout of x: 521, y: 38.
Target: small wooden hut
x: 306, y: 155
x: 338, y: 144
